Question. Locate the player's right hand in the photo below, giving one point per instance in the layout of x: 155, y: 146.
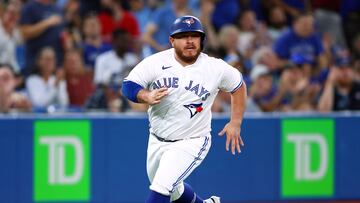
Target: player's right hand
x: 155, y: 96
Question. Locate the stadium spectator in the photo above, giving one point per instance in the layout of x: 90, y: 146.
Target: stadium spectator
x: 110, y: 69
x: 157, y: 31
x: 229, y: 37
x: 47, y: 87
x: 10, y: 36
x: 225, y: 12
x: 10, y: 99
x: 329, y: 22
x: 341, y: 90
x: 114, y: 16
x: 247, y: 25
x: 72, y: 32
x: 79, y: 81
x: 252, y: 35
x: 266, y: 57
x: 301, y: 39
x: 108, y: 97
x: 357, y: 70
x: 263, y: 90
x: 356, y: 56
x: 207, y: 8
x: 293, y: 92
x: 292, y: 8
x: 143, y: 11
x: 86, y: 7
x: 356, y: 48
x: 277, y: 22
x: 330, y: 48
x: 117, y: 61
x: 41, y: 25
x: 301, y: 91
x: 350, y: 12
x: 93, y: 44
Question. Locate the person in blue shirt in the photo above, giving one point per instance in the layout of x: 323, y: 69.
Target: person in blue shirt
x: 157, y: 31
x: 301, y: 39
x: 41, y: 25
x: 93, y: 44
x: 225, y: 12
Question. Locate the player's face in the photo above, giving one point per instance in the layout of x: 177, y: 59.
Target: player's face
x: 187, y: 46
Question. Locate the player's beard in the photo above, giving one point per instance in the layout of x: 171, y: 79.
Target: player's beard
x: 187, y: 59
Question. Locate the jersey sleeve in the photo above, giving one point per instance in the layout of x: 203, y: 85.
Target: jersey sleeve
x: 231, y: 79
x: 141, y: 74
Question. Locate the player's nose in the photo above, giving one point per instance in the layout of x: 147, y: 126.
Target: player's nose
x: 189, y: 38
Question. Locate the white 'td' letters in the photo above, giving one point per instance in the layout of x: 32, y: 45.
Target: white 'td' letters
x: 303, y: 156
x: 57, y: 162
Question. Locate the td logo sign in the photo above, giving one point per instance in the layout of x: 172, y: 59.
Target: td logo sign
x: 62, y: 164
x: 307, y: 158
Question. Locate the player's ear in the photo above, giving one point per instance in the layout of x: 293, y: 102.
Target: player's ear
x: 171, y: 40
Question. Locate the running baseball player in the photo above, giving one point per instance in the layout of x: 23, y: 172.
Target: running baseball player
x: 180, y: 85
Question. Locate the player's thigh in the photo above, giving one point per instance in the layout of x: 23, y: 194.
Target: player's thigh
x: 177, y: 163
x: 154, y: 153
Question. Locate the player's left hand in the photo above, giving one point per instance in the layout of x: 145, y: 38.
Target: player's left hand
x: 232, y: 131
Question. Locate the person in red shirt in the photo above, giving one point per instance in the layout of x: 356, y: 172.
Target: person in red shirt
x: 78, y: 80
x: 115, y: 16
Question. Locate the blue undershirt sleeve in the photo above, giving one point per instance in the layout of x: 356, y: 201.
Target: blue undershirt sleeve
x: 130, y: 90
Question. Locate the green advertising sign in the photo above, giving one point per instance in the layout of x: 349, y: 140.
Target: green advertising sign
x: 307, y: 158
x: 62, y: 161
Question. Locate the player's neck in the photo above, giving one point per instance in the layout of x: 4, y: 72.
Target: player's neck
x: 183, y: 63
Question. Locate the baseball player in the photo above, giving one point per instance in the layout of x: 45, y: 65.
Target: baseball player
x: 180, y: 85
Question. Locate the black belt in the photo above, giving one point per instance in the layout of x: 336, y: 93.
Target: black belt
x: 163, y: 139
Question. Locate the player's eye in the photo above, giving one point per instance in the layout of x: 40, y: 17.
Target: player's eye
x: 186, y: 35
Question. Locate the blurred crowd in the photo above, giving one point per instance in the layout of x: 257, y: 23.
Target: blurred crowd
x: 72, y: 55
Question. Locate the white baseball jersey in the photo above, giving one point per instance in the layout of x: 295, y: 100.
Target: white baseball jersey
x: 186, y: 111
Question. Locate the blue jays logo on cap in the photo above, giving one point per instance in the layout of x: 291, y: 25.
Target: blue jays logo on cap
x: 194, y: 109
x: 189, y: 21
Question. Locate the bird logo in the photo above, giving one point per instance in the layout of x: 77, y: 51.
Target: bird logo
x: 194, y: 109
x: 189, y: 21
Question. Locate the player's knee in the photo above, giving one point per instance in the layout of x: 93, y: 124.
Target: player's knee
x: 177, y: 192
x: 161, y: 188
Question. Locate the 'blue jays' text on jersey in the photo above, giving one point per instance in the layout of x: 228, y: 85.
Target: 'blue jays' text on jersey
x: 186, y: 110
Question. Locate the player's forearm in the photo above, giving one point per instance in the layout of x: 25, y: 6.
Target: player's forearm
x: 238, y: 104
